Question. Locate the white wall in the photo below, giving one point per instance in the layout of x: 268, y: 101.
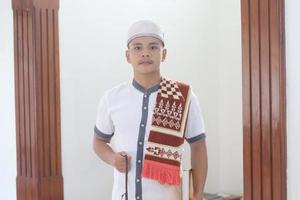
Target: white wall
x: 92, y: 60
x: 7, y: 105
x: 293, y: 96
x: 101, y: 60
x: 98, y: 47
x: 7, y: 128
x: 230, y: 98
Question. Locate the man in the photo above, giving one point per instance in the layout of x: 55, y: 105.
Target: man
x: 148, y: 119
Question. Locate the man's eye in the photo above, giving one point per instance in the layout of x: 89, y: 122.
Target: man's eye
x: 137, y: 48
x: 153, y: 47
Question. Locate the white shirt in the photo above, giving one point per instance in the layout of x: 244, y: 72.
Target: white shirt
x: 124, y: 114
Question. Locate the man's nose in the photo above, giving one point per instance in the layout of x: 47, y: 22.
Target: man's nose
x: 145, y: 53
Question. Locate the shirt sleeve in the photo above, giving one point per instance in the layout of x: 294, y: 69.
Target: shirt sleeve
x: 104, y: 125
x: 195, y: 129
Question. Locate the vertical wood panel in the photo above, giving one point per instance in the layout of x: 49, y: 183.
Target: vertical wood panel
x: 265, y: 101
x: 32, y: 99
x: 255, y: 91
x: 21, y: 96
x: 275, y: 100
x: 26, y: 94
x: 264, y: 80
x: 27, y: 78
x: 247, y: 114
x: 51, y: 92
x: 283, y: 132
x: 57, y: 91
x: 17, y: 91
x: 39, y: 173
x: 39, y: 98
x: 45, y: 94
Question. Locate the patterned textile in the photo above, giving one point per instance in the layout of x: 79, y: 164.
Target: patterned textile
x: 163, y: 153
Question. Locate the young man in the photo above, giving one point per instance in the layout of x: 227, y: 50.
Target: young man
x: 148, y: 119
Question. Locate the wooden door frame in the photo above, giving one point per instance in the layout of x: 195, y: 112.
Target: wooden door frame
x: 37, y: 89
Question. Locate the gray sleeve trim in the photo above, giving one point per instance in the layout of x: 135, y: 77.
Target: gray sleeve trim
x: 196, y: 138
x: 101, y: 134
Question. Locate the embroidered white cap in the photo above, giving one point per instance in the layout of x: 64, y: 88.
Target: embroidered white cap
x: 145, y: 28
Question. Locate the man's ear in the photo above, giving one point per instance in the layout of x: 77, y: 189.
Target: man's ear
x: 127, y: 56
x: 164, y: 55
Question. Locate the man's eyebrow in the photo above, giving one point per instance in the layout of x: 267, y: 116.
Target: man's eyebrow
x: 135, y: 44
x: 140, y: 44
x: 153, y: 43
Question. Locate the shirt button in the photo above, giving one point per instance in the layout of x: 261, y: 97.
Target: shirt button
x: 145, y: 96
x: 137, y: 180
x: 142, y: 125
x: 140, y: 142
x: 145, y: 107
x: 138, y: 197
x: 139, y: 161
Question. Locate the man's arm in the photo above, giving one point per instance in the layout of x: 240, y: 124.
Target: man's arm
x: 199, y: 167
x: 106, y: 153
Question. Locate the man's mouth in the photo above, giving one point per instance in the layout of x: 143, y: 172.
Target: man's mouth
x: 145, y: 62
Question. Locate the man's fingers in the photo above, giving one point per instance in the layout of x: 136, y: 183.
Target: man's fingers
x: 123, y: 153
x: 120, y: 161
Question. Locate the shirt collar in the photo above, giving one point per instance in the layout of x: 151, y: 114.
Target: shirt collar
x: 142, y: 89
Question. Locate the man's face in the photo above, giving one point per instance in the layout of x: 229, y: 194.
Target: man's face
x: 145, y: 55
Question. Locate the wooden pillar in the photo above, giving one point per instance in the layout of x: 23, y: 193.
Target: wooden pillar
x: 37, y: 90
x: 264, y: 120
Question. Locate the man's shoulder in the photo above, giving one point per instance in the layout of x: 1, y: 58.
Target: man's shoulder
x: 117, y: 89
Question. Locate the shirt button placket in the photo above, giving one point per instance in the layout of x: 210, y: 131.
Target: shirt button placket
x: 140, y: 146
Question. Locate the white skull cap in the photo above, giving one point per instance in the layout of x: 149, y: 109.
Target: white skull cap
x: 145, y: 28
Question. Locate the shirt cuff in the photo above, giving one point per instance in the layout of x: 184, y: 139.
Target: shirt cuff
x: 101, y: 134
x: 196, y: 138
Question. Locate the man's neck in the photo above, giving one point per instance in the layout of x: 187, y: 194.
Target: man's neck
x: 147, y: 81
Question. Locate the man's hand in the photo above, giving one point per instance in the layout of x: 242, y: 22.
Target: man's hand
x: 106, y: 153
x: 120, y: 161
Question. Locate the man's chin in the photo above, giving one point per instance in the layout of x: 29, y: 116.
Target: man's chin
x: 145, y: 64
x: 148, y: 73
